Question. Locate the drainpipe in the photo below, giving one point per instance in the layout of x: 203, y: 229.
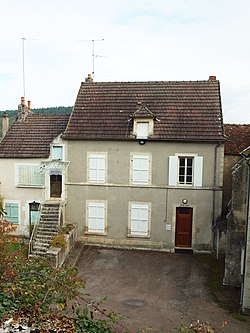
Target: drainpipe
x: 246, y: 233
x: 214, y: 191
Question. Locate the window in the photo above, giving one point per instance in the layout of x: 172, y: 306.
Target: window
x: 57, y: 153
x: 29, y: 176
x: 12, y: 210
x: 97, y: 168
x: 185, y: 170
x: 96, y: 217
x: 140, y: 170
x: 142, y: 130
x: 139, y: 219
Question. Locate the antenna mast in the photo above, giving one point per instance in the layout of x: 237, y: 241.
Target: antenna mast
x: 93, y: 52
x: 23, y: 39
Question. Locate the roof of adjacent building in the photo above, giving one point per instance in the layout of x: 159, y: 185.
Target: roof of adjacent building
x: 32, y: 137
x: 237, y: 138
x: 183, y: 110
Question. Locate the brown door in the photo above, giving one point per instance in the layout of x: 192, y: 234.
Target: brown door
x: 183, y: 230
x: 55, y: 186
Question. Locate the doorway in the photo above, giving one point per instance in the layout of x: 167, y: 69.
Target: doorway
x: 34, y: 214
x: 183, y: 229
x: 55, y: 186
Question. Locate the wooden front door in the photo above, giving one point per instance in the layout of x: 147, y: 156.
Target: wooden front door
x: 55, y: 186
x: 183, y: 229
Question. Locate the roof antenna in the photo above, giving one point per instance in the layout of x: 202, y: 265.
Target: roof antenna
x: 93, y: 52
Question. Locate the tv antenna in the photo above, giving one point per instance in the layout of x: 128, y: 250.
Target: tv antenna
x: 23, y: 60
x: 93, y: 52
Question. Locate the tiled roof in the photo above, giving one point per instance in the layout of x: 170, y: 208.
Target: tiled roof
x: 32, y: 137
x: 238, y: 138
x: 185, y: 110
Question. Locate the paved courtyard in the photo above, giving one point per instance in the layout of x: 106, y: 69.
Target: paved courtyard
x: 154, y: 289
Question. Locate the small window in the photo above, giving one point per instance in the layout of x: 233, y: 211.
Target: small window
x: 97, y: 168
x: 96, y: 217
x: 142, y: 130
x: 57, y: 153
x: 29, y: 176
x: 12, y: 210
x: 141, y: 170
x: 139, y: 219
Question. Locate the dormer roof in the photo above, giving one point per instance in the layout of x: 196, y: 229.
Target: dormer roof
x: 143, y: 112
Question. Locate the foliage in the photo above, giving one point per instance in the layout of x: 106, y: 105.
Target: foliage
x: 66, y: 228
x: 59, y: 241
x: 49, y: 297
x: 197, y: 327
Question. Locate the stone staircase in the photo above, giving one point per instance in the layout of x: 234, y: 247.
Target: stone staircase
x: 46, y: 229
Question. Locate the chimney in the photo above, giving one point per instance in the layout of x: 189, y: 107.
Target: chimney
x: 212, y: 78
x: 22, y: 110
x: 89, y: 79
x: 5, y: 123
x: 28, y: 106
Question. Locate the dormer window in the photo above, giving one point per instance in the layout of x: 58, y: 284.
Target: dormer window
x: 143, y: 122
x: 142, y: 130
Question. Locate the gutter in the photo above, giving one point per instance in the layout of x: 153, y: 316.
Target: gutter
x: 214, y: 191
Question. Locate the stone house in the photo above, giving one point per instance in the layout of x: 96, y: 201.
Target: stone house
x: 146, y: 164
x: 237, y: 139
x: 32, y: 157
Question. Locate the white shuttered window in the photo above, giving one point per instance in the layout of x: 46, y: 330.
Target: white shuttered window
x: 96, y: 217
x: 28, y: 175
x: 141, y: 171
x: 139, y: 219
x: 185, y: 170
x: 142, y: 130
x: 97, y: 168
x: 12, y: 210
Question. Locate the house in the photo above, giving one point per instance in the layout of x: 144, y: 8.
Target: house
x: 237, y: 139
x: 32, y: 165
x: 146, y: 164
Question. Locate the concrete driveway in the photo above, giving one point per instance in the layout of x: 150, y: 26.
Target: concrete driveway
x: 154, y: 289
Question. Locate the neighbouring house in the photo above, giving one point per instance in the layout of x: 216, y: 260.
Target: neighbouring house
x: 237, y: 258
x: 237, y: 139
x: 146, y: 164
x: 32, y: 165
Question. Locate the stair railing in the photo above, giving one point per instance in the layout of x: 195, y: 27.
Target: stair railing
x: 34, y: 230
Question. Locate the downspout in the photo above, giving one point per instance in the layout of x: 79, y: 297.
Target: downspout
x: 214, y: 191
x: 246, y: 235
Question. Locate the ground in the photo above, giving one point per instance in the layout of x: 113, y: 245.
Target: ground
x: 159, y: 290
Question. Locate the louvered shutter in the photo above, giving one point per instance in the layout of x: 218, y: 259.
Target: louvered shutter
x: 173, y: 170
x: 139, y: 215
x: 96, y: 217
x: 198, y: 170
x: 29, y: 175
x: 141, y: 170
x: 97, y: 168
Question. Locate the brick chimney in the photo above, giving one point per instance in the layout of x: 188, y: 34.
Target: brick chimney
x: 89, y: 79
x: 23, y: 110
x: 212, y: 78
x: 5, y: 123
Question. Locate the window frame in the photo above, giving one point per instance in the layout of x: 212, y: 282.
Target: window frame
x: 185, y: 168
x: 148, y: 121
x: 101, y: 179
x: 92, y: 231
x: 197, y: 172
x: 140, y: 206
x: 32, y: 169
x: 134, y: 169
x: 63, y: 152
x: 16, y: 203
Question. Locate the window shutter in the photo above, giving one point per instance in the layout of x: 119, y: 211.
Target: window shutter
x: 97, y: 168
x: 172, y: 170
x: 141, y: 170
x: 96, y: 217
x: 142, y: 130
x: 57, y: 153
x: 139, y: 219
x: 12, y: 211
x: 29, y: 175
x: 198, y: 170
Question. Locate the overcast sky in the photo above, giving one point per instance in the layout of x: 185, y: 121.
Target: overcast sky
x: 144, y: 40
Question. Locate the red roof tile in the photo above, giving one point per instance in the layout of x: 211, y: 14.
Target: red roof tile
x: 238, y: 138
x: 32, y: 137
x: 185, y: 110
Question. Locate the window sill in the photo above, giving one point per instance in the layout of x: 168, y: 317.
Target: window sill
x: 138, y: 236
x: 95, y: 233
